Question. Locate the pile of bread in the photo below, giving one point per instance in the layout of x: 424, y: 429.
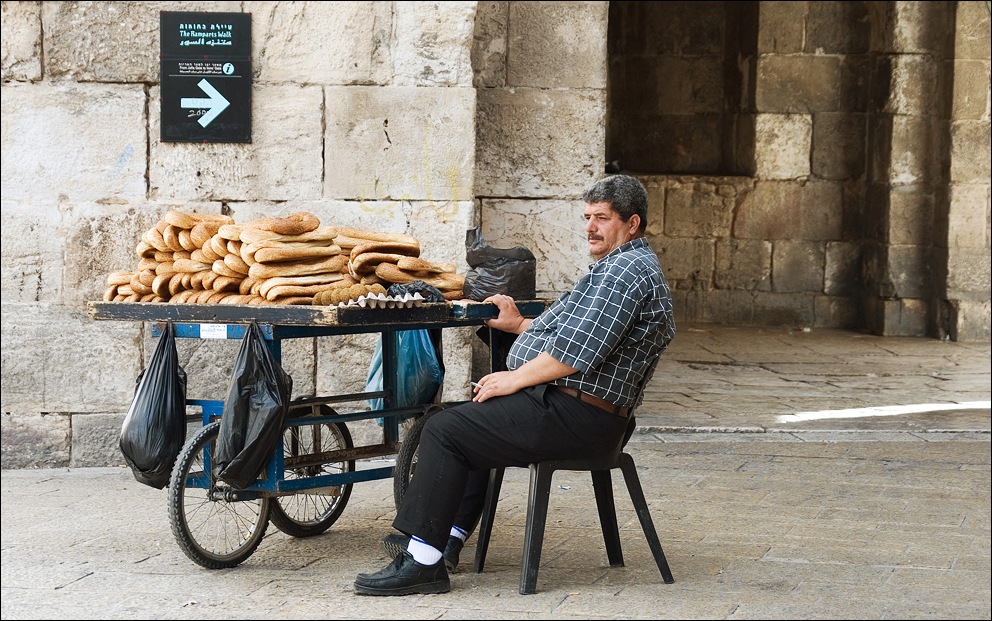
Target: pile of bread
x: 196, y: 258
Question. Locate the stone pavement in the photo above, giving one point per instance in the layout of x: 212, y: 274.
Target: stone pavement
x: 822, y: 474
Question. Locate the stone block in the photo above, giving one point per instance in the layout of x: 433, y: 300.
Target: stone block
x: 687, y: 263
x: 84, y: 40
x: 838, y: 146
x: 836, y: 312
x: 902, y: 317
x: 837, y: 28
x: 436, y: 46
x: 971, y: 90
x: 21, y: 41
x: 35, y: 440
x: 538, y: 143
x: 440, y: 227
x: 970, y: 320
x: 854, y: 209
x: 400, y: 143
x: 969, y: 270
x: 725, y: 306
x: 855, y: 75
x: 554, y: 231
x: 323, y: 43
x: 842, y: 269
x: 911, y: 216
x: 32, y: 253
x: 545, y: 37
x: 782, y: 146
x: 795, y: 310
x: 57, y: 359
x: 697, y: 210
x: 969, y: 216
x: 911, y: 91
x: 909, y: 270
x: 743, y: 264
x: 674, y: 85
x: 970, y: 155
x: 798, y: 84
x: 100, y: 239
x: 782, y: 27
x: 489, y: 46
x: 921, y: 27
x: 910, y: 149
x: 971, y: 32
x: 83, y: 142
x: 781, y: 210
x: 96, y: 440
x: 672, y: 144
x: 798, y: 266
x: 283, y: 161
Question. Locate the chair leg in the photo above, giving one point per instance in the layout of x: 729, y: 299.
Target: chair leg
x: 602, y: 484
x: 537, y: 515
x: 488, y: 513
x: 641, y: 506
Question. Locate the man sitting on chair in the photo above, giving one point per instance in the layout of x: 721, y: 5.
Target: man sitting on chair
x: 574, y: 378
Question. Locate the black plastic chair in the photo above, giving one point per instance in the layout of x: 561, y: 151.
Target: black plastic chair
x: 537, y: 511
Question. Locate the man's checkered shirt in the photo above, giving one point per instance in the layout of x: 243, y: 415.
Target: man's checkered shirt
x: 612, y: 326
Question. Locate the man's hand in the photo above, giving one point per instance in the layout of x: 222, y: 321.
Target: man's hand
x: 509, y: 318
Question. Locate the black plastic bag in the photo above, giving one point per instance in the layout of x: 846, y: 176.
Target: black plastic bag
x: 510, y: 271
x: 154, y: 430
x: 252, y: 419
x: 430, y: 293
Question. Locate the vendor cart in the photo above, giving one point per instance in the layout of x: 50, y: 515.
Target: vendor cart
x: 308, y: 479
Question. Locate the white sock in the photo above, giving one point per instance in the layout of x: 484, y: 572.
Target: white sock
x: 423, y: 553
x: 457, y: 532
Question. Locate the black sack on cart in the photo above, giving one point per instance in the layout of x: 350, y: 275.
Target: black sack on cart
x: 154, y: 430
x: 510, y: 271
x: 254, y: 412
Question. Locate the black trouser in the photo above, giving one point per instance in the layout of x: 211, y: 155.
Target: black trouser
x: 535, y: 424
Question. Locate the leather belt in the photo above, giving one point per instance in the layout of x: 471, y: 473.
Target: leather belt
x: 593, y: 400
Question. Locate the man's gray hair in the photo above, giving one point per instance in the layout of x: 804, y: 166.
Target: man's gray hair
x: 625, y: 195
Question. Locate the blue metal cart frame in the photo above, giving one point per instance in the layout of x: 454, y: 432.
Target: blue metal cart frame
x: 311, y: 415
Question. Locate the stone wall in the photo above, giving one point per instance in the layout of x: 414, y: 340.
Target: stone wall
x: 855, y: 193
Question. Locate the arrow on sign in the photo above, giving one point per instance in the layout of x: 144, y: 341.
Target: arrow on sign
x: 216, y: 103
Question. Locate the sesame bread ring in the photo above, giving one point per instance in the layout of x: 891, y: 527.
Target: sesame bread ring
x: 299, y: 268
x: 365, y: 262
x: 202, y: 232
x: 403, y: 248
x: 416, y: 264
x: 188, y: 220
x: 294, y: 253
x: 352, y: 232
x: 119, y: 278
x: 293, y: 224
x: 326, y: 234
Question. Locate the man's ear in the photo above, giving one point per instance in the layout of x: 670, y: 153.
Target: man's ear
x: 634, y: 222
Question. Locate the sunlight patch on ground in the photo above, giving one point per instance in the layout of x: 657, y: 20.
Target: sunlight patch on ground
x: 884, y: 410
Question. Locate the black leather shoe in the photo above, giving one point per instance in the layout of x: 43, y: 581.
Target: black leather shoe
x: 404, y: 576
x: 396, y: 543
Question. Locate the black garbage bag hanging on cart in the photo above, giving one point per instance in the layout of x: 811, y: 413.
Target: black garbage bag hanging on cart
x: 254, y: 412
x: 154, y: 430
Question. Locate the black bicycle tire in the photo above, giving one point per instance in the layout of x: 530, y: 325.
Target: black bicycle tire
x: 280, y: 516
x: 192, y: 453
x: 406, y: 458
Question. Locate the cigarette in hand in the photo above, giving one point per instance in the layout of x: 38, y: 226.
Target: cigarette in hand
x: 477, y: 384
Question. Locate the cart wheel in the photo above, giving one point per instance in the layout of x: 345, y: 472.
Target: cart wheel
x: 213, y: 528
x: 302, y: 514
x: 406, y: 459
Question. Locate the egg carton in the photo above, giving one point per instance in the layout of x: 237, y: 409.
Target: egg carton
x: 381, y: 300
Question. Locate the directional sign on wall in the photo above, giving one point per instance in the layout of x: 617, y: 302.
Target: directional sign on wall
x: 205, y: 76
